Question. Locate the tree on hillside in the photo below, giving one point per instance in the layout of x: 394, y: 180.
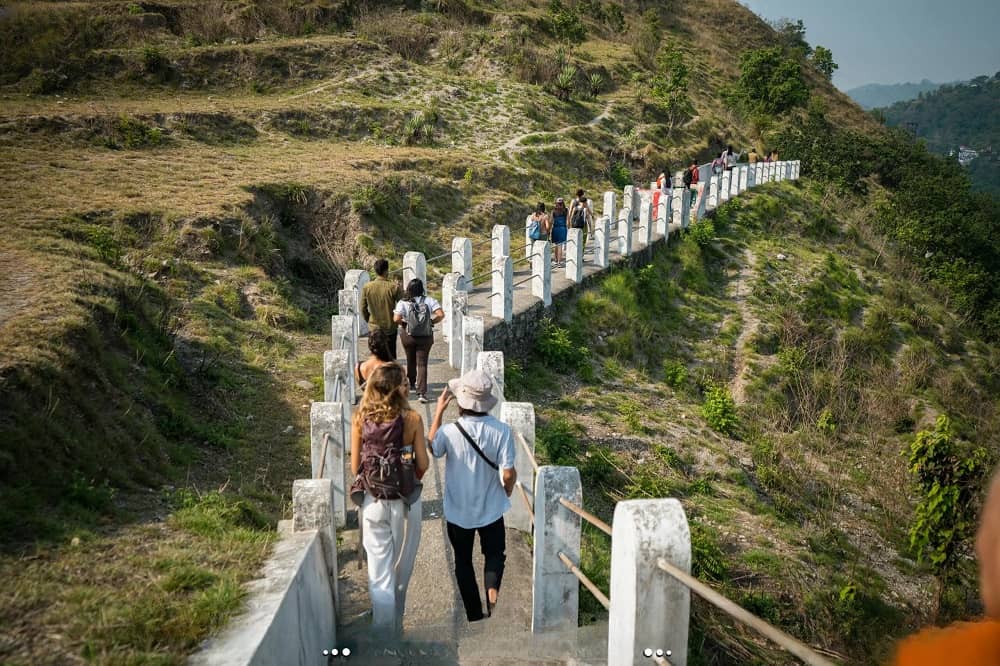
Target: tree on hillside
x: 792, y: 35
x: 670, y: 83
x: 822, y: 60
x: 770, y: 82
x: 647, y: 38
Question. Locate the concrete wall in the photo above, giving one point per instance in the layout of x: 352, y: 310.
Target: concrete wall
x: 290, y: 617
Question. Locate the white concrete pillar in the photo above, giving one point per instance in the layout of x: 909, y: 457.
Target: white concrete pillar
x: 662, y: 216
x: 609, y: 206
x: 520, y: 416
x: 555, y: 601
x: 649, y: 608
x: 541, y: 271
x: 456, y: 339
x: 645, y: 218
x: 751, y: 176
x: 724, y: 187
x: 527, y: 237
x: 602, y: 239
x: 312, y: 509
x: 451, y: 283
x: 734, y: 183
x: 347, y: 304
x: 681, y: 204
x: 744, y: 178
x: 356, y: 279
x: 337, y: 368
x: 630, y: 199
x: 500, y: 241
x: 758, y: 178
x: 712, y: 202
x: 625, y: 234
x: 491, y: 362
x: 502, y: 292
x: 644, y: 227
x: 700, y: 211
x: 461, y: 259
x: 472, y: 341
x: 574, y: 255
x: 329, y: 423
x: 343, y: 338
x: 414, y: 267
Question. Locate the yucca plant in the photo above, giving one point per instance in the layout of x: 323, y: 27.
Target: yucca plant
x: 565, y: 82
x: 596, y: 83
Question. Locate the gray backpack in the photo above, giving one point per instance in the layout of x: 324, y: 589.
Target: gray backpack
x: 418, y: 319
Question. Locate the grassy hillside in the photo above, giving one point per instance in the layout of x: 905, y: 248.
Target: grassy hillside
x: 186, y: 183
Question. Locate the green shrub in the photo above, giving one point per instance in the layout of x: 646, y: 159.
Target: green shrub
x: 565, y: 23
x: 559, y: 440
x: 826, y: 423
x: 620, y: 174
x: 558, y: 350
x: 702, y: 233
x: 708, y: 562
x: 719, y: 410
x: 675, y: 373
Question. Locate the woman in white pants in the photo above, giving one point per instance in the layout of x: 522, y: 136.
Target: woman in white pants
x: 386, y: 429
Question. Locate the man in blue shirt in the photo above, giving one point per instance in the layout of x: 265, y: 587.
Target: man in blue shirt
x: 479, y: 477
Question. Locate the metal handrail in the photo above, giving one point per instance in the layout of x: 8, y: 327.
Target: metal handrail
x: 483, y: 242
x: 790, y: 643
x: 587, y: 583
x: 586, y: 515
x: 524, y: 443
x: 527, y: 502
x: 441, y: 256
x: 322, y: 455
x: 344, y: 339
x: 527, y: 279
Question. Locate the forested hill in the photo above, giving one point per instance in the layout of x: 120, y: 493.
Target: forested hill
x: 874, y: 95
x: 963, y: 114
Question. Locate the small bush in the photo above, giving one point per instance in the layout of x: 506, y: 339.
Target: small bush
x: 719, y: 410
x: 558, y: 439
x: 565, y: 23
x: 675, y: 374
x: 620, y: 175
x: 703, y: 233
x: 708, y: 562
x: 825, y: 423
x: 558, y: 350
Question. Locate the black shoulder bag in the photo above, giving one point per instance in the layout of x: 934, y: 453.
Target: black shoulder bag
x: 476, y: 446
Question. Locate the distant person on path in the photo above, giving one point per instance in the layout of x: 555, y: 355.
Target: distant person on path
x: 753, y: 156
x: 691, y: 177
x: 718, y: 165
x: 479, y: 477
x: 662, y: 192
x: 539, y: 224
x: 968, y: 643
x: 378, y: 345
x: 560, y: 216
x: 417, y: 314
x: 581, y: 214
x: 729, y: 157
x: 388, y: 455
x: 377, y: 300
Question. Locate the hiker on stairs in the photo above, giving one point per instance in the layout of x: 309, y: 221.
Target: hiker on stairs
x: 476, y: 496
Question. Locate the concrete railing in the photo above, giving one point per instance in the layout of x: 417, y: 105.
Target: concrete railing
x: 650, y: 552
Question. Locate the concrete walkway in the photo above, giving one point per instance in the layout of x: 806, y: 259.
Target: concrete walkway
x: 435, y: 628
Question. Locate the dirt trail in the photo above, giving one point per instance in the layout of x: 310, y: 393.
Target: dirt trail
x: 512, y: 143
x: 740, y: 289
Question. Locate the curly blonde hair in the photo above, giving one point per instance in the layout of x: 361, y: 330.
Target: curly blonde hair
x: 383, y: 401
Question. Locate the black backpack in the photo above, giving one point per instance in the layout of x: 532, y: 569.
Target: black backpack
x: 579, y: 220
x: 687, y: 178
x: 418, y: 319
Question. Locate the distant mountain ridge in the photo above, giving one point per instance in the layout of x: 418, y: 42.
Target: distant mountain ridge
x: 874, y: 95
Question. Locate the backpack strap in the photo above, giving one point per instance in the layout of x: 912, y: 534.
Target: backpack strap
x: 476, y: 446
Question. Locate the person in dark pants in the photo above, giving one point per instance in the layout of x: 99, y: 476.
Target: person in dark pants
x: 417, y: 315
x: 477, y: 446
x: 376, y: 301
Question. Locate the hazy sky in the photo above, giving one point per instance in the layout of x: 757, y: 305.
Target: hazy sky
x: 896, y: 41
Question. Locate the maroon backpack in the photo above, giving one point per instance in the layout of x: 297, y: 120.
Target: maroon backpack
x: 386, y: 465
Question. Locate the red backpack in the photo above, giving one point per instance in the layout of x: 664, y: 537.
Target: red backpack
x: 387, y: 470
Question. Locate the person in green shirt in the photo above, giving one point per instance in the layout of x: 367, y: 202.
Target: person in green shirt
x: 378, y: 299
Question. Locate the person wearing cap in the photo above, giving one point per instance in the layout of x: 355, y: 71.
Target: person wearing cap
x: 479, y: 477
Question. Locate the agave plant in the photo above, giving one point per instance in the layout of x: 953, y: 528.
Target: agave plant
x: 596, y: 83
x: 565, y: 82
